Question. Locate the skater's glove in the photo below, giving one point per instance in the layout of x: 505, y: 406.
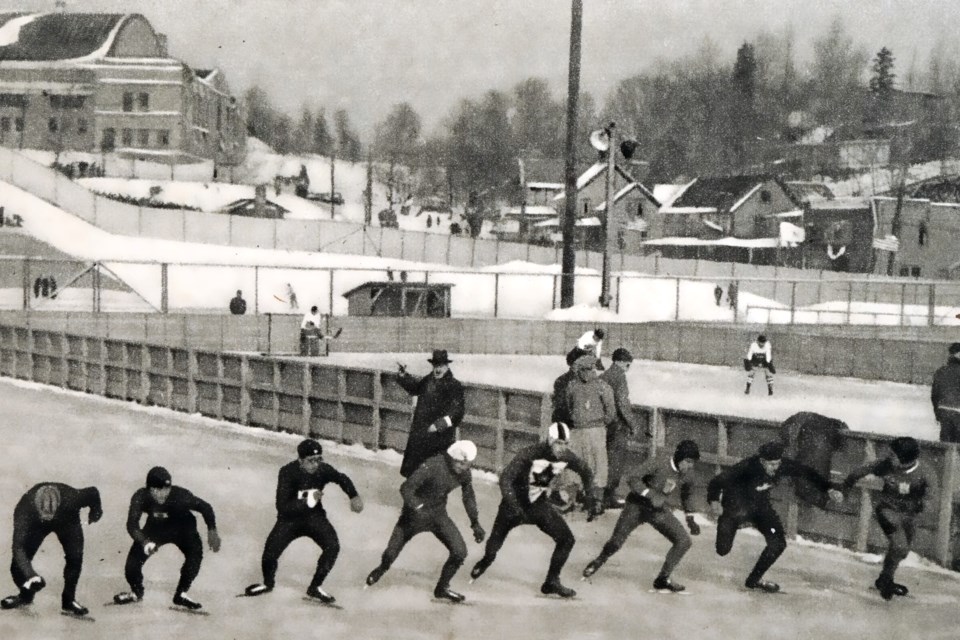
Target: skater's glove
x: 443, y: 423
x: 150, y: 548
x: 716, y: 508
x: 356, y: 504
x: 478, y: 533
x: 594, y: 510
x: 213, y: 539
x: 94, y: 515
x: 338, y: 332
x: 836, y: 495
x: 692, y: 525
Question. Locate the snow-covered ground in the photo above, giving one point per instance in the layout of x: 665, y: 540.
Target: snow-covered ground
x: 235, y: 469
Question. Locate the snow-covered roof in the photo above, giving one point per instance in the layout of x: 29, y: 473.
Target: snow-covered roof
x: 59, y: 35
x: 592, y: 173
x: 582, y: 222
x: 747, y: 243
x: 665, y: 192
x: 531, y: 210
x: 624, y: 191
x: 545, y: 186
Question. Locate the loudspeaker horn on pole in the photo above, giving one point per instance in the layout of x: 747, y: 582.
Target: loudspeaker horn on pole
x: 600, y: 140
x: 628, y: 147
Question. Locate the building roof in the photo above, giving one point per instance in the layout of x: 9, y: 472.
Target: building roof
x: 626, y: 190
x: 720, y: 193
x: 746, y: 243
x: 56, y: 36
x: 595, y: 172
x: 391, y: 284
x: 531, y: 210
x: 809, y: 191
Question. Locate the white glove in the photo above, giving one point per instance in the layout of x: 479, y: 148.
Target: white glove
x: 150, y: 548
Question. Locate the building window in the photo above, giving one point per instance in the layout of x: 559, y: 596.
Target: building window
x: 66, y: 102
x: 81, y: 125
x: 4, y: 124
x: 109, y: 140
x: 52, y: 125
x: 128, y: 101
x: 143, y: 137
x: 765, y: 196
x: 126, y: 137
x: 639, y: 208
x: 922, y: 234
x: 910, y: 271
x: 13, y: 100
x: 586, y: 206
x: 18, y: 124
x: 163, y: 137
x: 143, y: 101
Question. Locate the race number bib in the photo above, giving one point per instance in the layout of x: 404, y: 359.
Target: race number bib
x: 542, y: 475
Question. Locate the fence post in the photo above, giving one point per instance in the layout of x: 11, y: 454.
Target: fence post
x: 244, y: 417
x: 256, y: 290
x: 676, y: 309
x: 164, y: 288
x: 501, y: 425
x: 341, y: 394
x: 793, y: 300
x: 553, y: 299
x: 903, y: 299
x: 948, y: 480
x: 496, y: 293
x: 305, y: 400
x: 618, y: 280
x: 931, y: 305
x: 377, y: 401
x: 849, y: 298
x: 330, y: 294
x: 191, y: 381
x: 26, y: 284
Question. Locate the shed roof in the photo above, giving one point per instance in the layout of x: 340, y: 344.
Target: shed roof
x: 391, y: 284
x: 55, y: 36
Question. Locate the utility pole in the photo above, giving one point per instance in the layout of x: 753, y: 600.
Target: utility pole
x: 333, y: 190
x: 368, y: 202
x: 568, y: 263
x: 610, y: 234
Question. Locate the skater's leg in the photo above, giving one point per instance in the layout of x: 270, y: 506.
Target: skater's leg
x: 727, y: 526
x: 768, y: 523
x: 447, y: 533
x: 671, y: 528
x: 71, y: 539
x: 323, y: 533
x: 280, y: 537
x: 507, y: 518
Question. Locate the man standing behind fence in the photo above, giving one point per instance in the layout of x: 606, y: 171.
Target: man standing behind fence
x: 238, y: 306
x: 440, y: 409
x: 591, y: 407
x: 621, y: 428
x: 945, y: 395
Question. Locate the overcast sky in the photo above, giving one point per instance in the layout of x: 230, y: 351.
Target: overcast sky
x: 365, y: 55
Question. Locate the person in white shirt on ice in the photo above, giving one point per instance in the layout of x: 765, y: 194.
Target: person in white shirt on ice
x: 760, y: 354
x: 590, y: 343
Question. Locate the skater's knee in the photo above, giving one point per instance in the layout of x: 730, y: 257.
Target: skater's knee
x: 777, y: 544
x: 724, y: 547
x: 566, y: 540
x: 683, y: 544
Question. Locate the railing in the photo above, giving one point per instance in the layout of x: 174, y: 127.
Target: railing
x: 122, y: 285
x: 358, y: 405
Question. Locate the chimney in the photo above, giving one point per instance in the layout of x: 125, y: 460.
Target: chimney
x: 162, y: 45
x: 260, y: 201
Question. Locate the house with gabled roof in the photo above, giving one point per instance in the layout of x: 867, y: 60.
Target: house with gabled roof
x: 746, y: 214
x: 105, y: 83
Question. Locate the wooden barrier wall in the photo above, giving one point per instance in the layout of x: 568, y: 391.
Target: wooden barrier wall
x: 357, y: 405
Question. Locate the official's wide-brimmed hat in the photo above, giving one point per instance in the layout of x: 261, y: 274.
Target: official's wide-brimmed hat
x: 439, y: 357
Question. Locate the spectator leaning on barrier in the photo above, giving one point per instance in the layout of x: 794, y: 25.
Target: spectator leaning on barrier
x: 560, y: 412
x: 623, y: 426
x: 440, y: 409
x: 238, y: 306
x: 310, y: 333
x: 945, y: 395
x: 591, y: 407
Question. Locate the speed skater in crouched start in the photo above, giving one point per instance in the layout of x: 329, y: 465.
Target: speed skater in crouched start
x: 425, y: 509
x: 650, y: 488
x: 741, y: 495
x: 905, y: 486
x: 760, y: 355
x: 528, y: 485
x: 300, y: 513
x: 169, y: 520
x: 50, y: 507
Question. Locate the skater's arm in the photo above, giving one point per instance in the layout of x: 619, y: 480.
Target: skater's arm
x: 201, y: 506
x: 621, y: 397
x: 411, y: 385
x: 799, y: 470
x: 90, y: 497
x: 582, y: 469
x: 720, y: 482
x: 609, y: 403
x: 456, y: 407
x: 408, y: 490
x: 876, y: 468
x: 470, y: 501
x: 686, y: 496
x: 133, y: 516
x: 341, y: 479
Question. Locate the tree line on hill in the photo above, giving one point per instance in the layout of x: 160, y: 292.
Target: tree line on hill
x: 701, y: 114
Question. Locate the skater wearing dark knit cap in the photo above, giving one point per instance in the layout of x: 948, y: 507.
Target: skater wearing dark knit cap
x: 529, y: 484
x: 650, y: 490
x: 50, y: 507
x: 300, y: 513
x: 425, y: 509
x: 906, y: 485
x: 169, y: 520
x: 741, y: 494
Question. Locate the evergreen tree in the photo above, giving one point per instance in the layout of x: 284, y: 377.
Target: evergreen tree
x: 881, y: 83
x: 745, y: 73
x: 348, y: 143
x: 322, y: 141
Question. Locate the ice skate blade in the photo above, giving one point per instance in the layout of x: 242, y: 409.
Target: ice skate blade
x: 193, y: 612
x: 320, y: 603
x: 85, y: 618
x: 668, y: 592
x: 462, y: 603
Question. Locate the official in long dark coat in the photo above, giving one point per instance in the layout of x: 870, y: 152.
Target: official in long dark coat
x: 440, y: 408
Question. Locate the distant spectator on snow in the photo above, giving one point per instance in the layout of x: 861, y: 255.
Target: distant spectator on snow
x: 732, y: 295
x: 45, y: 287
x: 238, y: 306
x: 403, y: 276
x: 389, y: 274
x: 36, y: 287
x: 718, y: 294
x: 292, y: 297
x: 53, y: 287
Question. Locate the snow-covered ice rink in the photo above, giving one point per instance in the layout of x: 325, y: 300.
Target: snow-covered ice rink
x: 52, y: 434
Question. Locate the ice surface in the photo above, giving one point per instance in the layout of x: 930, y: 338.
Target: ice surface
x: 55, y: 434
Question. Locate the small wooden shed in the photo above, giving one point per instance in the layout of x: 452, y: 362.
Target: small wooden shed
x: 418, y: 299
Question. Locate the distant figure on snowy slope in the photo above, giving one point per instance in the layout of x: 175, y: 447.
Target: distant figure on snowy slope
x: 760, y: 354
x: 718, y: 294
x: 292, y: 297
x: 238, y: 306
